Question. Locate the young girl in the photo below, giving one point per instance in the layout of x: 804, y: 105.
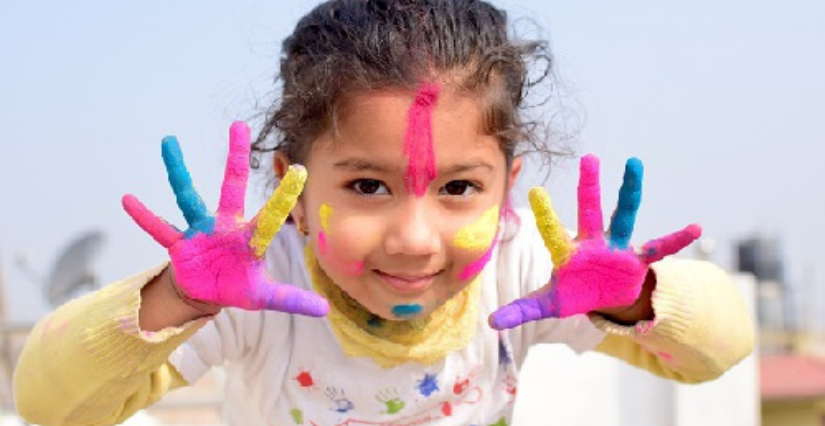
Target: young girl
x: 398, y: 134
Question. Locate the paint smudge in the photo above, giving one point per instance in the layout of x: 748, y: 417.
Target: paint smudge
x: 354, y: 268
x: 428, y: 385
x: 504, y: 358
x: 418, y: 141
x: 475, y: 267
x: 447, y: 409
x: 478, y: 235
x: 406, y: 311
x: 297, y: 416
x: 665, y: 356
x: 461, y: 385
x: 339, y: 399
x: 392, y: 402
x: 304, y: 378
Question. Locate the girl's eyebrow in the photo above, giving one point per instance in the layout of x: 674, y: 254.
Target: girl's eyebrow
x: 466, y: 167
x: 361, y: 165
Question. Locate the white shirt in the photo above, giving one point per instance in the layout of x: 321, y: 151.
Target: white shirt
x: 285, y: 369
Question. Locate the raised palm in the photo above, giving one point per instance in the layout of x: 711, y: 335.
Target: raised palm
x: 219, y: 259
x: 594, y: 271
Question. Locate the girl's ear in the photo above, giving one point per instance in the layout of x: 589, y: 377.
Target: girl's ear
x: 515, y: 170
x: 281, y: 164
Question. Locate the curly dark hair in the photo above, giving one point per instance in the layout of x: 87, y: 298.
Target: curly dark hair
x: 345, y: 46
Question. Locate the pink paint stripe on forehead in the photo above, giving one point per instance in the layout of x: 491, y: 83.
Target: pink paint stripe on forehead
x: 418, y: 141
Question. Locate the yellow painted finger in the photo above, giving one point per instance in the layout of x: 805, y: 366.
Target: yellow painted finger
x: 277, y: 208
x: 552, y: 232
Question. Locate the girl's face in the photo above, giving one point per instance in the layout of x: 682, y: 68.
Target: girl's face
x: 396, y: 237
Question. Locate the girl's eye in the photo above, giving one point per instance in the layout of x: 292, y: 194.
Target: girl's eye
x: 459, y: 188
x: 369, y: 187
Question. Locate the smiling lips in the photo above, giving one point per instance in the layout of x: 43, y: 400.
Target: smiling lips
x: 407, y: 283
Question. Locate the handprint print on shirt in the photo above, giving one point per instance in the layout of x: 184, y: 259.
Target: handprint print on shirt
x: 595, y: 271
x: 219, y: 259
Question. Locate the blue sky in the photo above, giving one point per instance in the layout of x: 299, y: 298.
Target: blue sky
x: 723, y: 101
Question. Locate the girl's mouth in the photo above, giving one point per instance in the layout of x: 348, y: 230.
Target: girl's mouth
x: 405, y: 282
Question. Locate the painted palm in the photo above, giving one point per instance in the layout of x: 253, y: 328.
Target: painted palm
x: 219, y: 259
x: 596, y: 270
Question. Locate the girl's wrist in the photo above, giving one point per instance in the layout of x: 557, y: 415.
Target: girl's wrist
x: 197, y: 308
x: 640, y: 310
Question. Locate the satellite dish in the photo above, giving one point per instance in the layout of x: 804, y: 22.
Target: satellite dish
x: 73, y: 268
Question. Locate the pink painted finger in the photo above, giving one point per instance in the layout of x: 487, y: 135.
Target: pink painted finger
x: 285, y: 298
x: 236, y: 174
x: 656, y: 250
x: 590, y: 203
x: 162, y: 232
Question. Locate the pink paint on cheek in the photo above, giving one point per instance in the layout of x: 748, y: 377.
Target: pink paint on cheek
x: 478, y: 265
x: 322, y: 243
x: 418, y: 141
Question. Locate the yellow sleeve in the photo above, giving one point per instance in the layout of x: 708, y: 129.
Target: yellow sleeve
x: 88, y: 362
x: 701, y: 329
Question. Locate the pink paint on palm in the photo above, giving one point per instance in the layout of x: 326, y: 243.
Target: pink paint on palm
x: 418, y: 141
x: 475, y: 267
x: 657, y: 249
x: 219, y: 266
x: 589, y: 195
x: 596, y: 278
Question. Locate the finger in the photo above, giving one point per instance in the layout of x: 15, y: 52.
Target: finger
x: 554, y: 235
x: 277, y: 208
x: 534, y: 307
x: 285, y: 298
x: 590, y: 205
x: 630, y: 197
x: 162, y: 232
x: 236, y: 175
x: 656, y: 250
x: 189, y: 201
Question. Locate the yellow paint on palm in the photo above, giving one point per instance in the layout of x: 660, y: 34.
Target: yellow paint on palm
x: 479, y: 234
x: 325, y: 212
x: 277, y: 208
x: 552, y: 232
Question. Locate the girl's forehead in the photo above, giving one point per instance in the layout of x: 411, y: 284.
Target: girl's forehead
x: 377, y: 123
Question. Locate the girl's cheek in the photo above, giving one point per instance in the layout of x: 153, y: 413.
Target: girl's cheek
x: 475, y: 243
x: 339, y: 242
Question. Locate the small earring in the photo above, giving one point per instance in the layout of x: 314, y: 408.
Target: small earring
x: 302, y: 228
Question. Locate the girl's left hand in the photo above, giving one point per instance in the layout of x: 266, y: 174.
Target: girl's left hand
x: 592, y: 273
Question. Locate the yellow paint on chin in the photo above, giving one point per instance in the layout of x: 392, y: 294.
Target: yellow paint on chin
x: 325, y: 212
x: 478, y: 235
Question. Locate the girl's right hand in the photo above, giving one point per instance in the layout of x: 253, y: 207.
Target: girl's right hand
x: 220, y: 260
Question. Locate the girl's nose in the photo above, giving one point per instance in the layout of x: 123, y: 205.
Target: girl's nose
x: 414, y: 231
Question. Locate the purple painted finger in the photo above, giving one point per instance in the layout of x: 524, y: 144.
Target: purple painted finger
x: 162, y: 232
x: 590, y: 204
x: 236, y: 175
x: 285, y: 298
x: 656, y: 250
x: 535, y: 306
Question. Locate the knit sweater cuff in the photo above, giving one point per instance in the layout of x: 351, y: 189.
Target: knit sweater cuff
x: 112, y: 330
x: 673, y: 308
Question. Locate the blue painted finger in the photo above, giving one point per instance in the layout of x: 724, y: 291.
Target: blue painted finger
x: 630, y: 198
x: 189, y: 202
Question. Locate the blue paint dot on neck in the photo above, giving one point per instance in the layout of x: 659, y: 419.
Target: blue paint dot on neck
x: 402, y: 311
